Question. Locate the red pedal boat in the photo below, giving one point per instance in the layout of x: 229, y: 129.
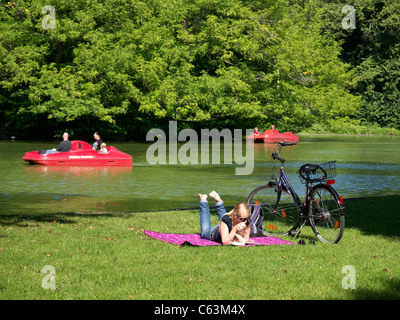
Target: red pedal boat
x: 273, y: 136
x: 81, y: 154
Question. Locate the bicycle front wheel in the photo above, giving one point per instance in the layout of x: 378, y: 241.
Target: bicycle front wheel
x: 326, y: 214
x: 280, y: 213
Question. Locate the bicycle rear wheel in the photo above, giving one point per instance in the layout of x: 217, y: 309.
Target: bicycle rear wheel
x: 280, y: 213
x: 326, y: 214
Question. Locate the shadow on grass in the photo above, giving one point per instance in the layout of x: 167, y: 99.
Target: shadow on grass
x: 21, y: 220
x: 30, y: 203
x: 61, y: 207
x: 374, y: 216
x: 390, y: 291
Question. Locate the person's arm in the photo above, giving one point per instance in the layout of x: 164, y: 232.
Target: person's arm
x: 227, y: 236
x: 245, y: 234
x: 60, y: 146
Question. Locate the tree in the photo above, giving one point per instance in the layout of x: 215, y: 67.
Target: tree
x: 373, y: 51
x: 129, y: 66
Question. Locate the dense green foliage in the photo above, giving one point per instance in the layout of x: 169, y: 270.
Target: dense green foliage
x: 124, y: 67
x: 373, y: 51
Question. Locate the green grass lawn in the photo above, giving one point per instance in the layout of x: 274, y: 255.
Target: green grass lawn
x: 109, y: 257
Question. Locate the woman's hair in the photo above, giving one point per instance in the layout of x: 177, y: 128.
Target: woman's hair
x: 240, y: 209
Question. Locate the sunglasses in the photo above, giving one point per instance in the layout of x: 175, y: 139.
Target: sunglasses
x: 242, y: 219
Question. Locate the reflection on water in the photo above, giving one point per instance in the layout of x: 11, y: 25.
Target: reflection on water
x: 77, y: 170
x: 367, y: 166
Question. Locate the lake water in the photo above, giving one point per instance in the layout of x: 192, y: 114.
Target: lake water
x: 366, y: 166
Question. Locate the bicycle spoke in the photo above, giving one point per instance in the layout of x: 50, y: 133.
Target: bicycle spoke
x: 327, y: 215
x: 280, y: 213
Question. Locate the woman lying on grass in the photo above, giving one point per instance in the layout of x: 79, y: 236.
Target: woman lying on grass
x: 232, y: 227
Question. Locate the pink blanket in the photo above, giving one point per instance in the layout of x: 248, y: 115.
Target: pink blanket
x: 195, y: 240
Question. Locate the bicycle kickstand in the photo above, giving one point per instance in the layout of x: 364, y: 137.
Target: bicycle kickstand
x: 297, y: 232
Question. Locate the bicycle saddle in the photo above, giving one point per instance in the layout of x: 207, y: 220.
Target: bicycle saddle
x: 308, y: 167
x: 308, y: 171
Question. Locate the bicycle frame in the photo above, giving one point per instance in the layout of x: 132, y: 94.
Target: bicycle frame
x: 284, y: 184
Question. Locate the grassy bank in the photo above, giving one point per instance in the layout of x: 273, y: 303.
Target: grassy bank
x: 350, y: 127
x: 109, y: 257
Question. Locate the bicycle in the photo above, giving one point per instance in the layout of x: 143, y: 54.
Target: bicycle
x: 286, y: 214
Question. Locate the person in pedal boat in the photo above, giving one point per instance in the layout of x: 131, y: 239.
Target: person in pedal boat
x: 98, y: 141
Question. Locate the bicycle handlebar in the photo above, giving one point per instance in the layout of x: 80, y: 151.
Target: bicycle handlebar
x: 275, y: 155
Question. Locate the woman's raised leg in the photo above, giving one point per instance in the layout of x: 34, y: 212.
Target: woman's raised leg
x: 219, y: 204
x: 205, y: 220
